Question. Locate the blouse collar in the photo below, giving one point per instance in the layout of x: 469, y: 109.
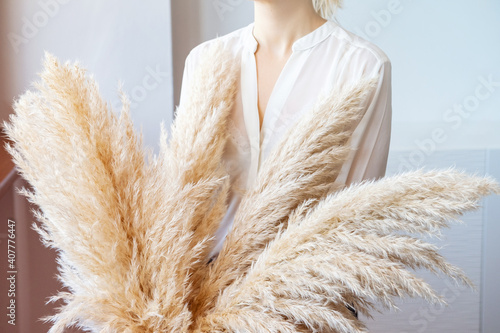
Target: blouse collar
x: 305, y: 42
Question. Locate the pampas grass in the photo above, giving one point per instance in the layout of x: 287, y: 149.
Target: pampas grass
x: 345, y: 250
x: 288, y: 177
x: 129, y: 233
x: 134, y: 230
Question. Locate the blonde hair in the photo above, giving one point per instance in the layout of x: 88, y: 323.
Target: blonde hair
x: 326, y: 8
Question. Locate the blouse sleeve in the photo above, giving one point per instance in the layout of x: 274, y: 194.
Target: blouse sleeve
x: 371, y: 138
x: 186, y: 75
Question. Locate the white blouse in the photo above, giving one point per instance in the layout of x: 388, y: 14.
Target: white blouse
x: 324, y: 58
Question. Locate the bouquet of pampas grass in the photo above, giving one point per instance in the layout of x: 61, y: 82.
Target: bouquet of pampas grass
x: 134, y: 230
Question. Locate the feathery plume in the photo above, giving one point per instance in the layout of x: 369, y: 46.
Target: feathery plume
x: 124, y: 228
x: 323, y: 136
x: 133, y: 230
x: 348, y: 249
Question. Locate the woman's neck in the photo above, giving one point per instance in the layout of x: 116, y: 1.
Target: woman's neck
x: 279, y: 23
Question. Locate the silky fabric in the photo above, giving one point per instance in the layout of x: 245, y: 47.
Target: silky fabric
x: 326, y: 58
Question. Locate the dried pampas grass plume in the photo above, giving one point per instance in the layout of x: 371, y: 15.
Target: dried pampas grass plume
x: 129, y: 231
x: 349, y: 249
x: 134, y: 230
x: 295, y: 174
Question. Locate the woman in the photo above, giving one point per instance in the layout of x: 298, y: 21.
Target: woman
x: 289, y: 55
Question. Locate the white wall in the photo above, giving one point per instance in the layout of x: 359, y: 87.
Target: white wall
x: 220, y: 17
x: 115, y: 40
x: 442, y: 52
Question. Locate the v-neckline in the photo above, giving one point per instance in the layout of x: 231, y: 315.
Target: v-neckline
x: 260, y: 138
x: 272, y: 95
x: 280, y: 76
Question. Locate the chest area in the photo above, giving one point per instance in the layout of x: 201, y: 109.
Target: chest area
x: 268, y: 69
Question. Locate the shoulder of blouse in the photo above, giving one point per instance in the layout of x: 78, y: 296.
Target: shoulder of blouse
x: 370, y: 51
x: 234, y: 40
